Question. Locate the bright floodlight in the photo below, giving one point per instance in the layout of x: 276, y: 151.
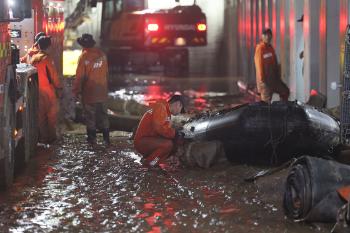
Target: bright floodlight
x: 11, y: 2
x: 164, y: 4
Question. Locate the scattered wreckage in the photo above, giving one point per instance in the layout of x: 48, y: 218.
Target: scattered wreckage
x: 316, y: 189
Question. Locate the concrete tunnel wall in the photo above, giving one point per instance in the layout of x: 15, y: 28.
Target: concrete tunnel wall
x: 210, y: 60
x: 320, y: 36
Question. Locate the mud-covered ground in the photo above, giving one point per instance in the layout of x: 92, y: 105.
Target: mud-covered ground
x: 72, y: 187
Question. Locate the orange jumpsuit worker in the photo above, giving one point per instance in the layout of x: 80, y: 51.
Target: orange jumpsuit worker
x: 91, y: 85
x: 268, y: 78
x: 154, y: 137
x: 33, y: 50
x: 49, y: 90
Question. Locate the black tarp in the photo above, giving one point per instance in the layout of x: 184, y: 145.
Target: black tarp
x: 311, y: 189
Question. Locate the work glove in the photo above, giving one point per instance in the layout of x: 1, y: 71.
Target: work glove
x: 179, y: 137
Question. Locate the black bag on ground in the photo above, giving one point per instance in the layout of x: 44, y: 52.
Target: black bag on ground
x: 311, y: 189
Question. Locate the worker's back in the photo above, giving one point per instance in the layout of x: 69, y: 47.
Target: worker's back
x: 155, y: 122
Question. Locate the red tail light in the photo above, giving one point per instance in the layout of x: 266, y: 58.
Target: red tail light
x: 201, y: 27
x: 153, y: 27
x: 313, y: 92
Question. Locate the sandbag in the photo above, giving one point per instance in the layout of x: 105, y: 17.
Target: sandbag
x: 311, y: 189
x: 203, y: 154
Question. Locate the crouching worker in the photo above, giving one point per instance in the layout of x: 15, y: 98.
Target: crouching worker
x: 50, y: 90
x: 91, y: 86
x: 155, y: 137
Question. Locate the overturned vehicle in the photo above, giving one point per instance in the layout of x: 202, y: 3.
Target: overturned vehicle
x: 260, y: 133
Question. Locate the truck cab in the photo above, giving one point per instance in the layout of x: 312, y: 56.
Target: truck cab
x: 176, y: 27
x: 144, y: 40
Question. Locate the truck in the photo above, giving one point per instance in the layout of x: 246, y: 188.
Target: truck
x: 143, y: 40
x: 20, y: 20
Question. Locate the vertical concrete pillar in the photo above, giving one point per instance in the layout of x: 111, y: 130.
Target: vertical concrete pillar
x: 242, y: 14
x: 293, y: 49
x: 274, y: 21
x: 323, y: 47
x: 208, y: 60
x: 284, y: 40
x: 253, y: 39
x: 277, y: 33
x: 333, y: 51
x: 231, y: 37
x: 334, y: 44
x: 285, y: 59
x: 296, y: 43
x: 261, y: 18
x: 270, y: 13
x: 255, y: 23
x: 312, y: 45
x: 246, y: 37
x: 297, y: 62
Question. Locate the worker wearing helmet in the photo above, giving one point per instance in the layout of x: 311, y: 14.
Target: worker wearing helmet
x: 91, y: 85
x: 268, y: 77
x: 50, y: 89
x: 33, y: 50
x: 154, y: 137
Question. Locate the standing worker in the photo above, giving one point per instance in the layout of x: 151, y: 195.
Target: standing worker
x: 33, y: 50
x: 50, y: 90
x: 91, y: 85
x: 268, y: 78
x: 155, y: 137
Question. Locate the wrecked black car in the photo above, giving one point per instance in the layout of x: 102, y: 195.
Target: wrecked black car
x: 263, y: 133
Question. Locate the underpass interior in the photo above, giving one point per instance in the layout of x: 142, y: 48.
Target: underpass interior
x: 71, y: 186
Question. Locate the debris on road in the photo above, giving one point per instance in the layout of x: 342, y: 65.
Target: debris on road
x: 313, y: 188
x: 202, y: 154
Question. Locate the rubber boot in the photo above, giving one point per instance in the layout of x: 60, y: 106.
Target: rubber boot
x: 153, y: 160
x: 105, y: 133
x: 91, y: 136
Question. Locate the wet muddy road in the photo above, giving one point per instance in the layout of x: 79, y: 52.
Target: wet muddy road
x: 72, y: 187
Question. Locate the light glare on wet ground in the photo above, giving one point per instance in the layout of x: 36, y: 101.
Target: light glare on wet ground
x: 86, y: 189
